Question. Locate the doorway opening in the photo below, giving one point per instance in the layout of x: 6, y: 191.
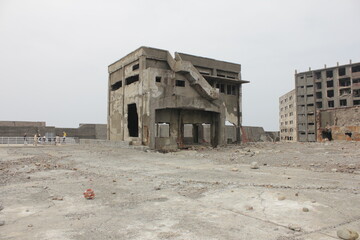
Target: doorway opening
x: 133, y: 120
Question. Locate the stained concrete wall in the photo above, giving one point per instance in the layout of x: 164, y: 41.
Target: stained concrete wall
x: 344, y: 123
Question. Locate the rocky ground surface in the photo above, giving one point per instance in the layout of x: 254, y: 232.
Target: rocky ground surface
x: 254, y: 191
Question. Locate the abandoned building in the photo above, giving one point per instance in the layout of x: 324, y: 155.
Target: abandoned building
x: 328, y: 103
x: 287, y: 117
x: 167, y: 102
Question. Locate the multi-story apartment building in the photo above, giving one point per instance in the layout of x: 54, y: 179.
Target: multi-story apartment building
x: 287, y: 117
x: 325, y: 90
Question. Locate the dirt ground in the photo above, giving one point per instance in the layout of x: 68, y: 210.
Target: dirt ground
x: 299, y: 191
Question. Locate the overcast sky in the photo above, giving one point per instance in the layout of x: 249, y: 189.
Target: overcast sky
x: 54, y: 53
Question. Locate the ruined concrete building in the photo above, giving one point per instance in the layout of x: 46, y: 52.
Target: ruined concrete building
x: 167, y: 103
x: 287, y: 117
x: 328, y: 103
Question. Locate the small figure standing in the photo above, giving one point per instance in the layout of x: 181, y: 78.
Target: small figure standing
x: 64, y: 137
x: 57, y: 139
x: 35, y: 140
x: 44, y: 139
x: 25, y: 139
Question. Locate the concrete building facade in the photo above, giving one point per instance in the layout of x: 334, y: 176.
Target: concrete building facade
x: 167, y: 102
x: 287, y: 117
x: 322, y: 93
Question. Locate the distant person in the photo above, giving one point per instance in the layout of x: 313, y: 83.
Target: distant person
x: 35, y: 140
x: 25, y: 138
x: 64, y: 137
x: 57, y: 139
x: 44, y: 139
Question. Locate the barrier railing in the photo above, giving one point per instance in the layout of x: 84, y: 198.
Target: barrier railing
x: 43, y: 141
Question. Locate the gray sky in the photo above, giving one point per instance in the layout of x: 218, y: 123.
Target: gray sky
x: 54, y: 53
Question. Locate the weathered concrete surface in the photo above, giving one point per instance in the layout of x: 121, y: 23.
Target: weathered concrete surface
x: 197, y: 194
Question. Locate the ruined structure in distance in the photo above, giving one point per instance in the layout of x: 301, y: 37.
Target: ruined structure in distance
x: 168, y: 103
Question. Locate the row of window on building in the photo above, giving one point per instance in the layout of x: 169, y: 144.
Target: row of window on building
x: 330, y: 73
x: 286, y: 115
x: 287, y: 107
x: 287, y: 123
x: 286, y: 99
x: 287, y: 138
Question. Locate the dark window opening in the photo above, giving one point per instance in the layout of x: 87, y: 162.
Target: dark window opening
x: 330, y: 93
x: 343, y: 103
x: 344, y: 82
x: 330, y: 103
x: 356, y: 92
x: 327, y: 134
x: 356, y: 80
x: 180, y: 83
x: 342, y: 72
x: 318, y: 75
x: 136, y: 66
x: 116, y: 86
x: 355, y: 69
x: 158, y: 79
x: 329, y: 74
x: 309, y: 95
x: 310, y: 105
x: 309, y: 86
x: 221, y: 87
x: 330, y: 84
x: 221, y: 75
x: 132, y: 79
x: 348, y: 134
x: 233, y: 90
x: 133, y: 120
x: 319, y: 95
x: 319, y: 104
x: 302, y: 77
x: 345, y: 91
x: 309, y: 76
x: 356, y: 102
x: 318, y: 85
x: 231, y: 77
x: 311, y: 124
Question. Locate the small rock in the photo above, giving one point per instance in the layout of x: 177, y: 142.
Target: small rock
x: 313, y: 201
x: 294, y: 227
x: 30, y: 225
x: 334, y: 170
x: 281, y: 198
x: 347, y: 234
x: 113, y: 193
x: 351, y: 166
x: 28, y: 177
x: 297, y: 194
x: 254, y: 165
x: 58, y: 198
x: 114, y: 180
x: 1, y: 207
x: 235, y: 169
x: 305, y: 209
x: 249, y: 208
x: 157, y: 188
x: 2, y: 223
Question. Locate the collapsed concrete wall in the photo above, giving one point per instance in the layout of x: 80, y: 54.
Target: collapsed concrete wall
x: 258, y: 134
x: 150, y: 92
x: 339, y: 124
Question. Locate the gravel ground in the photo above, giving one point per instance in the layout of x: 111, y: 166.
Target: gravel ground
x: 295, y: 191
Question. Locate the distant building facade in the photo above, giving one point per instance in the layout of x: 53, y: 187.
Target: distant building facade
x: 321, y: 97
x: 287, y: 117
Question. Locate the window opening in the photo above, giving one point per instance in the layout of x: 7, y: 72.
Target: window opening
x: 158, y: 79
x: 133, y: 120
x: 136, y: 66
x: 330, y: 93
x: 318, y: 75
x: 343, y: 103
x: 344, y: 82
x: 318, y: 85
x: 330, y: 83
x: 355, y: 69
x: 345, y: 91
x: 180, y: 83
x: 342, y: 71
x: 132, y: 79
x: 329, y: 74
x: 116, y: 86
x: 330, y: 103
